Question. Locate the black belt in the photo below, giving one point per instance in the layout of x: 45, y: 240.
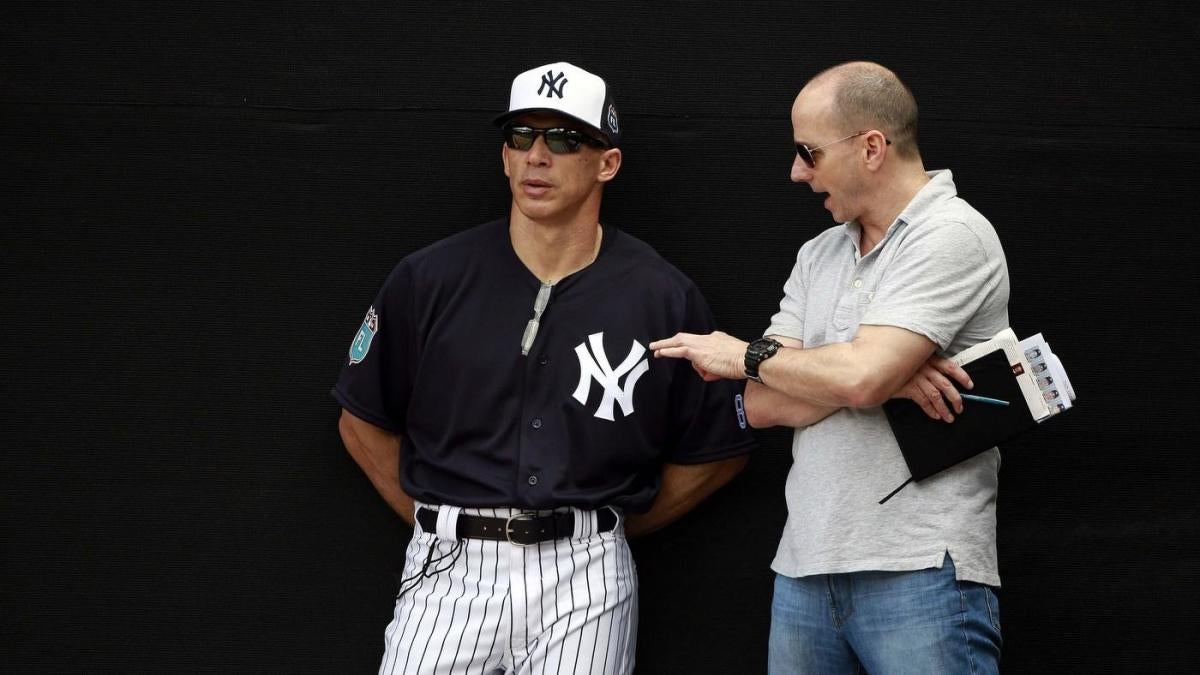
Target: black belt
x: 523, y: 529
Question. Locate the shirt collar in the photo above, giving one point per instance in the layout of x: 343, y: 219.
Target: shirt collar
x: 939, y: 189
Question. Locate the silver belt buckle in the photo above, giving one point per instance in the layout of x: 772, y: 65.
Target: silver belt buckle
x: 508, y: 531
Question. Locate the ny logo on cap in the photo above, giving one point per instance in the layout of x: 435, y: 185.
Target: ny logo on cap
x: 554, y: 82
x: 600, y: 370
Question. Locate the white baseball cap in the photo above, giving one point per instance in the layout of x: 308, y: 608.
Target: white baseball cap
x: 567, y: 90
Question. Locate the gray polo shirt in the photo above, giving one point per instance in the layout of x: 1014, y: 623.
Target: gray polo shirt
x: 940, y: 272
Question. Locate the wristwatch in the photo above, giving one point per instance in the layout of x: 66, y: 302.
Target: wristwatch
x: 758, y: 351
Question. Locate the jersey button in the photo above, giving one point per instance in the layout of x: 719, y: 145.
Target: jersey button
x: 532, y: 480
x: 543, y: 361
x: 537, y: 423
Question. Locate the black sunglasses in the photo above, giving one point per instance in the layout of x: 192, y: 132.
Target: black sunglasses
x: 806, y: 154
x: 560, y: 141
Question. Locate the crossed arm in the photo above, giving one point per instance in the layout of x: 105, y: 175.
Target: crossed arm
x: 767, y: 407
x: 803, y: 386
x: 684, y: 486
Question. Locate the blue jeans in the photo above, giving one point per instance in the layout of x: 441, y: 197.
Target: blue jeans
x: 884, y: 622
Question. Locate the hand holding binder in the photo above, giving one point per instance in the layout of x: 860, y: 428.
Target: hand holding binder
x: 931, y: 445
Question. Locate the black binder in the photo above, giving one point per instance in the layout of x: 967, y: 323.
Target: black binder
x: 931, y: 445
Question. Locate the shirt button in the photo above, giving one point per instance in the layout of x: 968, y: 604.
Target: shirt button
x: 858, y: 283
x: 532, y: 480
x: 543, y: 361
x: 537, y: 423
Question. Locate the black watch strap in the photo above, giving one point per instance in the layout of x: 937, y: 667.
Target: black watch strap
x: 758, y: 351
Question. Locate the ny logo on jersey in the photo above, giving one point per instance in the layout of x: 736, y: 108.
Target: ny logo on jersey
x: 555, y: 82
x: 597, y: 368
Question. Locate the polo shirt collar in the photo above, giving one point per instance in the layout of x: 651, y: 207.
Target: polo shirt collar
x: 939, y: 189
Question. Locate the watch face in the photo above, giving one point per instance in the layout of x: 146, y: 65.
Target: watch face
x: 756, y: 352
x: 763, y: 346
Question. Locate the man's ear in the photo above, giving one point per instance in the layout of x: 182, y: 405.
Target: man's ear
x: 875, y: 150
x: 610, y: 164
x: 504, y: 159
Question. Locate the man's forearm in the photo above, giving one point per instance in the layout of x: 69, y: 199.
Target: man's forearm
x: 377, y: 453
x: 862, y: 373
x: 684, y: 486
x: 766, y: 407
x: 826, y: 377
x: 395, y: 496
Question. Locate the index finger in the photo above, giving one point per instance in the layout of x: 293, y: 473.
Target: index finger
x: 675, y: 340
x: 953, y: 371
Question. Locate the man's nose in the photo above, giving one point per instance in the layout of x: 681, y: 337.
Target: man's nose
x: 538, y: 153
x: 800, y: 171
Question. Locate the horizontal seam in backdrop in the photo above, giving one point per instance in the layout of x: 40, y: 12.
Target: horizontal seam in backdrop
x: 497, y: 111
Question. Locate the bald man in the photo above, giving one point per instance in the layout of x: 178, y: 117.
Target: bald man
x: 910, y: 275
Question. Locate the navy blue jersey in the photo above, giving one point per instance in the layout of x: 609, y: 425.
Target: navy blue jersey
x: 586, y: 419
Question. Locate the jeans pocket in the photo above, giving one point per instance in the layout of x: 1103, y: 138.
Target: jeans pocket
x: 993, y: 606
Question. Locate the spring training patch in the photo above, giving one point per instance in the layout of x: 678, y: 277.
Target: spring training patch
x: 362, y: 340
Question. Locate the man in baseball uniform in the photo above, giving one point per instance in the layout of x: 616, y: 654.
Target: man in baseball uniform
x: 500, y: 397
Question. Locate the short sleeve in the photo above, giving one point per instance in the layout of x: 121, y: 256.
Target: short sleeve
x: 789, y: 320
x: 707, y: 419
x: 938, y: 280
x: 376, y: 378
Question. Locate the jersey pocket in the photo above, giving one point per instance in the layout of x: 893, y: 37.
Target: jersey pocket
x: 849, y: 312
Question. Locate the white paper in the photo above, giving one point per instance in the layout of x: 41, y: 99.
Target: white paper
x: 1048, y: 373
x: 1007, y: 340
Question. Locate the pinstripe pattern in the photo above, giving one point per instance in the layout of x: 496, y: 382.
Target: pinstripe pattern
x: 567, y: 607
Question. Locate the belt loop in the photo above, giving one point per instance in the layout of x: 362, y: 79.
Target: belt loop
x: 616, y: 513
x: 585, y: 524
x: 619, y: 526
x: 418, y: 507
x: 447, y: 523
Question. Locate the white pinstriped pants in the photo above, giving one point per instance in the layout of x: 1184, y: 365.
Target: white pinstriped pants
x: 567, y: 606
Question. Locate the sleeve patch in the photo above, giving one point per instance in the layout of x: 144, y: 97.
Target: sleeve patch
x: 366, y: 334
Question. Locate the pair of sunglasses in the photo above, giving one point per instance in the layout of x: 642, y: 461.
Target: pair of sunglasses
x: 560, y: 141
x: 806, y: 153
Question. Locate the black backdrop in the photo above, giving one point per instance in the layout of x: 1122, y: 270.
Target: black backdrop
x: 200, y: 199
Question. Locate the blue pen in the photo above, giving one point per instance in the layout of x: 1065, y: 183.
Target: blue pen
x: 984, y: 399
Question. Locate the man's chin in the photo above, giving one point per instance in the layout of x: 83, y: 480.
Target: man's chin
x: 835, y: 212
x: 536, y: 209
